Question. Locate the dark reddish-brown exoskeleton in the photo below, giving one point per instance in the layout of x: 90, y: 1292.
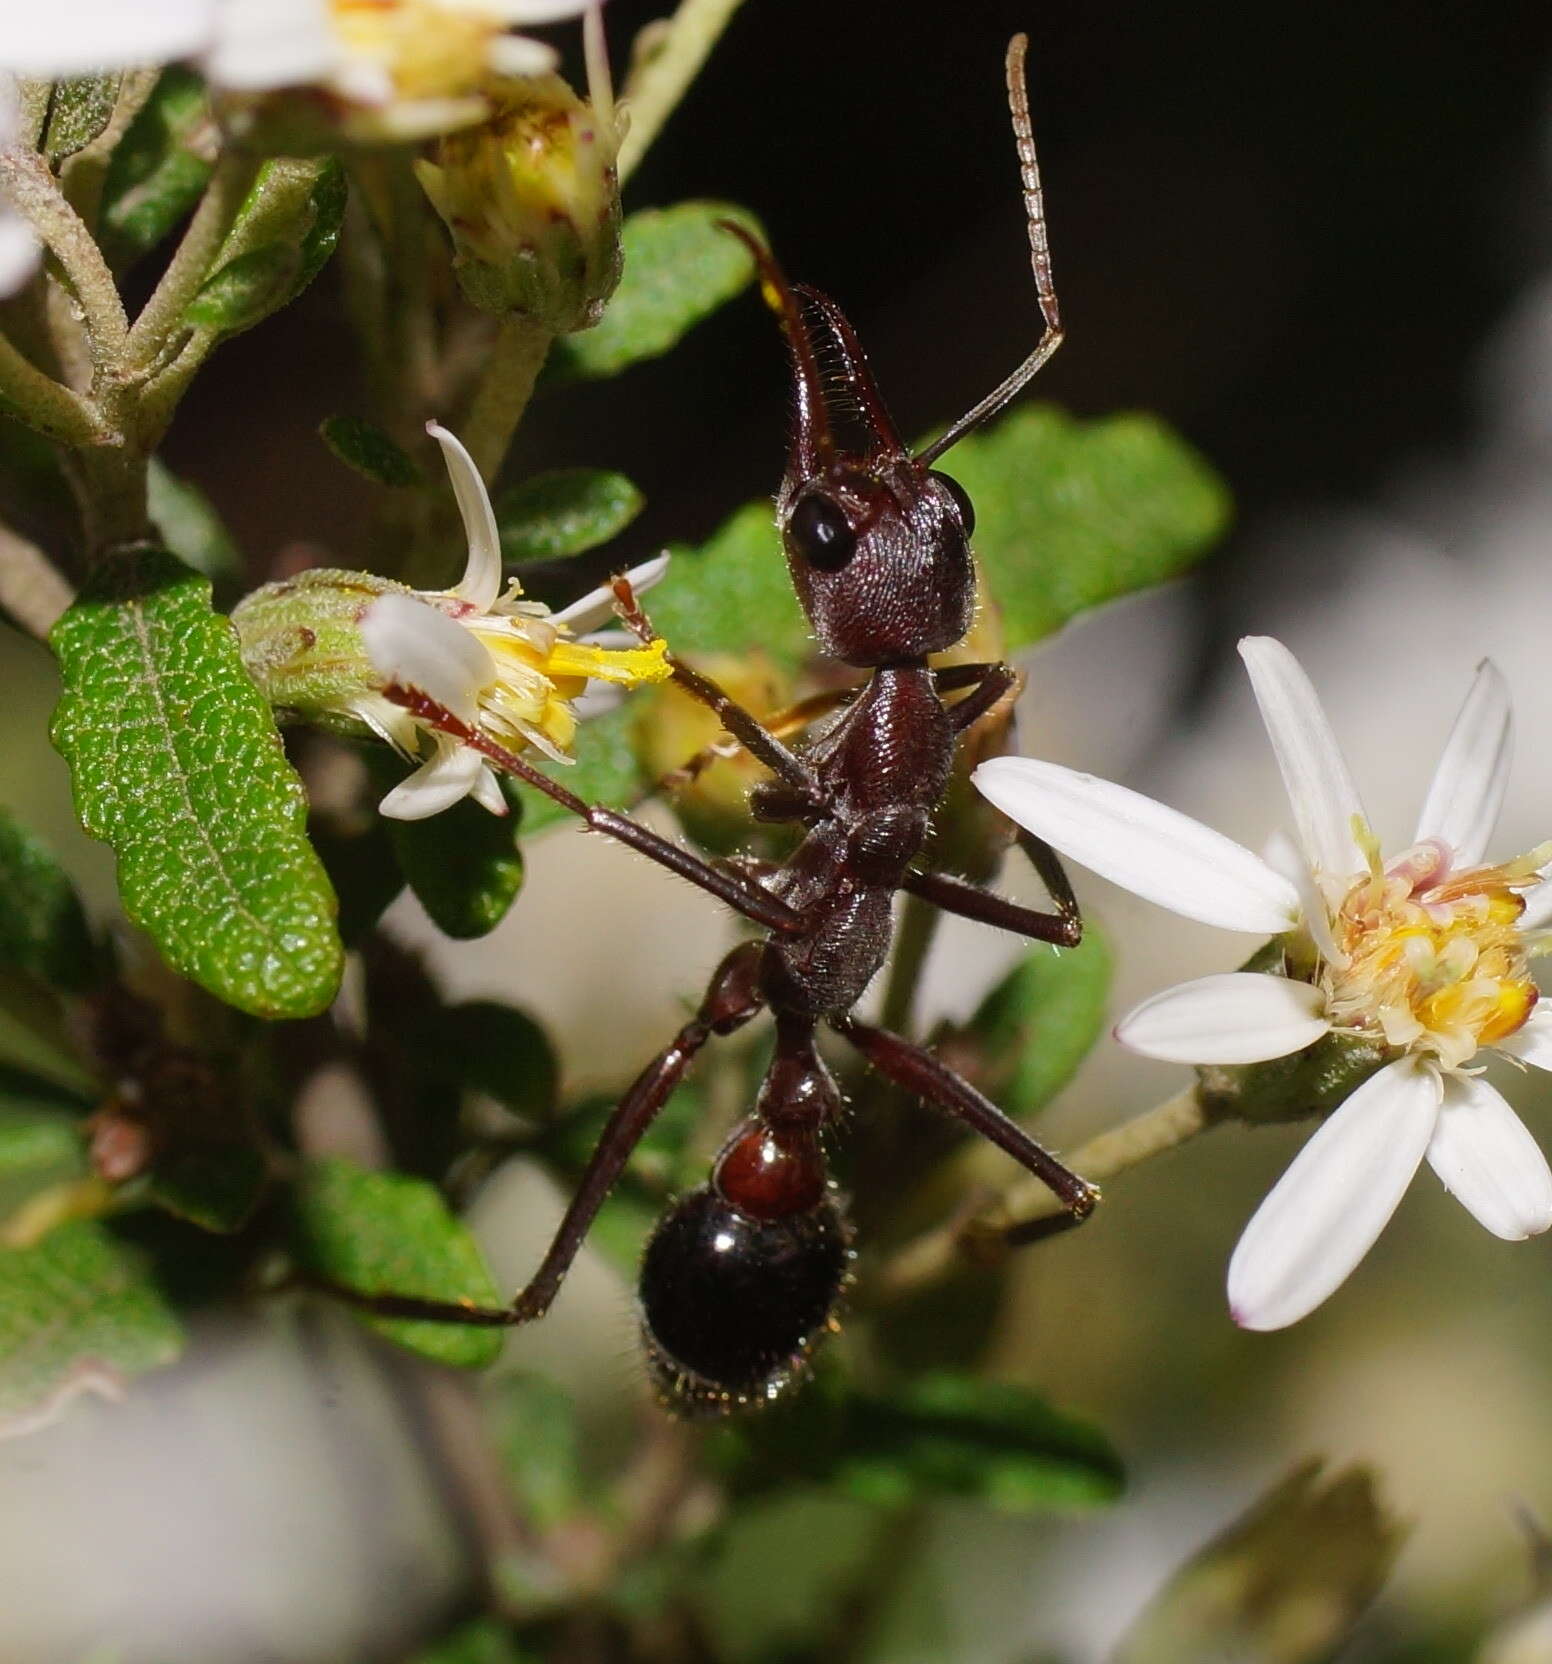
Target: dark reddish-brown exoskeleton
x: 743, y: 1276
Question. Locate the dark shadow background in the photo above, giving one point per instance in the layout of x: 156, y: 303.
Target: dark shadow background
x: 1287, y: 230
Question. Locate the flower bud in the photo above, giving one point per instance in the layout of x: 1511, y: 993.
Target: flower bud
x: 532, y: 200
x: 301, y: 642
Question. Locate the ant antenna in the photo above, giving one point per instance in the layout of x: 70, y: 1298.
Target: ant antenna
x: 1040, y: 259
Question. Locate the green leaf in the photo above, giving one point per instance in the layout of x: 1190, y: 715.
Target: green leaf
x: 679, y: 267
x: 482, y: 1641
x: 214, y: 1182
x: 79, y: 109
x: 77, y: 1311
x: 43, y: 930
x: 945, y: 1435
x: 1074, y: 513
x: 605, y: 772
x: 158, y: 169
x: 177, y: 764
x: 326, y: 204
x: 1039, y: 1023
x: 550, y: 516
x: 364, y: 872
x: 502, y: 1052
x: 40, y: 1143
x: 386, y: 1233
x: 733, y: 593
x: 533, y: 1423
x: 247, y: 288
x: 366, y: 448
x: 464, y: 864
x: 189, y: 525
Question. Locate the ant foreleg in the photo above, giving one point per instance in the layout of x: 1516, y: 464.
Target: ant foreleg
x: 743, y: 725
x: 991, y: 683
x: 731, y: 999
x: 919, y: 1072
x: 749, y: 899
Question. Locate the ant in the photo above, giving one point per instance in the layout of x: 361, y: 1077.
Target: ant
x: 742, y: 1277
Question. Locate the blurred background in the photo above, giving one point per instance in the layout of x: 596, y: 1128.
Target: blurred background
x: 1316, y: 241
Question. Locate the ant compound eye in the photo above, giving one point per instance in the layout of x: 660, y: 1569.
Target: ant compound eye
x: 961, y: 501
x: 731, y: 1306
x: 820, y: 532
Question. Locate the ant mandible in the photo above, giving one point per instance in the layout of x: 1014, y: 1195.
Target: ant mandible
x: 742, y: 1277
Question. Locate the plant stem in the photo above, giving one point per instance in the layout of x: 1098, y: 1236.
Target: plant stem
x: 83, y: 175
x: 503, y: 391
x: 31, y: 588
x: 190, y: 265
x: 48, y: 406
x: 33, y: 190
x: 932, y: 1255
x: 654, y: 90
x: 913, y: 941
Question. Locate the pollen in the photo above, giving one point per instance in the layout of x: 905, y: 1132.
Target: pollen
x: 1431, y: 959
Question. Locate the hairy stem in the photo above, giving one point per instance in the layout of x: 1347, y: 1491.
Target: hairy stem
x: 503, y: 391
x: 934, y: 1254
x: 32, y: 590
x: 33, y: 190
x: 190, y: 265
x: 913, y: 941
x: 654, y: 89
x: 48, y: 406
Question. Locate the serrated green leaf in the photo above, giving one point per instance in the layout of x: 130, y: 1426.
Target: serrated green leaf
x: 679, y: 267
x: 1038, y: 1024
x: 79, y: 109
x: 366, y: 448
x: 158, y: 169
x: 43, y: 930
x: 464, y: 864
x: 484, y: 1641
x: 78, y: 1308
x: 189, y: 524
x: 177, y: 764
x: 245, y: 289
x: 1073, y: 513
x: 502, y: 1052
x: 533, y: 1423
x: 386, y: 1233
x: 550, y: 516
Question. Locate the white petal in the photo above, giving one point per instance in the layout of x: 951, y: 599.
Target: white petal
x: 588, y: 611
x: 1488, y: 1162
x: 436, y: 785
x: 1531, y: 1042
x: 273, y: 43
x: 19, y: 251
x: 486, y: 791
x: 1538, y: 906
x: 517, y: 55
x: 522, y: 11
x: 1238, y: 1017
x: 1468, y: 786
x: 1283, y: 855
x: 481, y: 582
x: 1314, y: 773
x: 1325, y: 1212
x: 1154, y: 852
x: 73, y: 37
x: 411, y: 643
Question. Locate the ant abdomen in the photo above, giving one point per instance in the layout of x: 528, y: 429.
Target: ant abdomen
x: 731, y: 1306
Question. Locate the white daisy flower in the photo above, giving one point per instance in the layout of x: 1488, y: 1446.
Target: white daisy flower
x: 20, y: 251
x: 1425, y: 955
x: 331, y: 647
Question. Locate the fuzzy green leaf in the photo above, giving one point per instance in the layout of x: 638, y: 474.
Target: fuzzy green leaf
x: 550, y: 516
x: 464, y: 864
x: 605, y: 772
x: 1039, y: 1023
x: 43, y: 930
x: 386, y: 1233
x: 40, y: 1141
x: 215, y: 1182
x: 679, y: 267
x: 245, y: 289
x: 158, y: 169
x: 366, y: 448
x: 77, y: 1310
x: 79, y: 109
x: 326, y: 205
x: 189, y: 524
x: 1073, y: 513
x: 177, y: 764
x: 502, y: 1052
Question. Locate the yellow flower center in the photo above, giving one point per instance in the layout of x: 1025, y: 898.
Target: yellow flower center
x: 428, y: 50
x: 1432, y: 960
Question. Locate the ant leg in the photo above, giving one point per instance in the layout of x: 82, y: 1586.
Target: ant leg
x: 1063, y: 928
x: 732, y: 998
x: 743, y: 725
x: 918, y: 1071
x: 991, y: 683
x: 743, y: 897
